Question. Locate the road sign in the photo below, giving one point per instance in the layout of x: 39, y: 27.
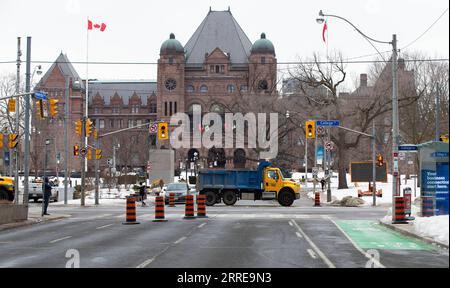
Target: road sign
x: 153, y: 128
x: 328, y: 123
x: 408, y: 148
x: 315, y: 172
x: 320, y: 130
x: 110, y: 162
x: 149, y: 167
x: 329, y: 146
x: 83, y: 151
x: 40, y: 95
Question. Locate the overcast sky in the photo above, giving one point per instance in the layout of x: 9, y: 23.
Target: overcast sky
x: 137, y: 28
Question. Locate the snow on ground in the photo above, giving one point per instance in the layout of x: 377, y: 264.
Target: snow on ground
x: 354, y: 187
x: 435, y: 227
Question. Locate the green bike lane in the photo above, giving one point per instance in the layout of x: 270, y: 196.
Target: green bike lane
x: 391, y: 248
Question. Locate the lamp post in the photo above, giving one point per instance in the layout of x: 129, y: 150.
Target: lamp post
x: 395, y: 124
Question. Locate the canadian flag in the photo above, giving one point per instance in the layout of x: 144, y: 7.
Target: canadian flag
x: 91, y: 26
x: 325, y: 28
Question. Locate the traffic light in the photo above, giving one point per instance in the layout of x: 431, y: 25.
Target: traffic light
x: 1, y: 140
x: 53, y: 108
x: 95, y: 134
x: 76, y: 150
x: 40, y: 108
x: 380, y: 160
x: 89, y: 154
x: 13, y: 141
x: 78, y: 127
x: 310, y: 129
x: 12, y: 105
x: 163, y: 131
x: 98, y: 154
x: 89, y: 127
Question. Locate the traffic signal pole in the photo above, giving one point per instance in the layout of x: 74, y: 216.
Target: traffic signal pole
x: 83, y: 159
x: 97, y: 163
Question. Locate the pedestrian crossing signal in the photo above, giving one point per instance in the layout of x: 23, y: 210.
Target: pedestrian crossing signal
x: 380, y: 160
x: 76, y: 150
x: 98, y: 154
x: 13, y: 140
x: 163, y: 131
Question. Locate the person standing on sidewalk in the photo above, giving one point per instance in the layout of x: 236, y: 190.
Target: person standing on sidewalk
x: 47, y: 195
x: 143, y: 193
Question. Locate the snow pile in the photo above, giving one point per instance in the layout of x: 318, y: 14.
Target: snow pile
x: 433, y: 227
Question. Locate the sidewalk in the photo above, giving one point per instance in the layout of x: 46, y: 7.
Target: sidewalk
x: 408, y: 230
x: 33, y: 218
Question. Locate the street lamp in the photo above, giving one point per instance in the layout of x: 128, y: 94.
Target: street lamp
x: 395, y: 124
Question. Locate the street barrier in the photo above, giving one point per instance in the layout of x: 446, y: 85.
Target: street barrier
x: 189, y: 210
x: 172, y: 199
x: 427, y: 206
x: 131, y: 211
x: 399, y: 216
x: 317, y: 199
x: 159, y: 209
x: 201, y: 206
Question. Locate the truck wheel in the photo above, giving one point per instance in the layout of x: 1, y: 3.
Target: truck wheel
x: 286, y: 198
x: 211, y: 198
x: 229, y: 198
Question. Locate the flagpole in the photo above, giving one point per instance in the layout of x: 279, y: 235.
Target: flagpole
x: 87, y: 88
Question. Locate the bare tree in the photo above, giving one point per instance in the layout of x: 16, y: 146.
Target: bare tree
x: 353, y: 112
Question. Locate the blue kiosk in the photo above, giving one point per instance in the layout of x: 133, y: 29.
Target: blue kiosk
x: 434, y: 178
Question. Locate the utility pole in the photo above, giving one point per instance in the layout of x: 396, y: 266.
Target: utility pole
x: 306, y: 162
x: 328, y: 160
x: 83, y: 159
x: 374, y: 168
x: 66, y: 140
x: 395, y: 127
x: 27, y: 124
x: 438, y: 113
x: 16, y: 176
x: 97, y: 162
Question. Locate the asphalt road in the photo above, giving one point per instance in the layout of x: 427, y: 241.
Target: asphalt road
x: 249, y: 235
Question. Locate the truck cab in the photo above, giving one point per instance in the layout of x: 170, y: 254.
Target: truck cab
x: 276, y: 187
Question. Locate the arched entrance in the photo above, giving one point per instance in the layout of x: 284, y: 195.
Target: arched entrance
x: 216, y: 157
x: 239, y: 158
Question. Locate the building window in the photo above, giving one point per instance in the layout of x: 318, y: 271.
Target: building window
x: 171, y: 60
x: 153, y: 108
x: 231, y: 88
x: 170, y: 108
x: 111, y: 123
x: 175, y: 108
x: 222, y: 68
x: 130, y: 123
x: 101, y: 124
x: 116, y: 110
x: 244, y: 88
x: 211, y: 68
x: 165, y: 108
x: 190, y: 89
x: 263, y: 60
x: 120, y: 123
x: 203, y: 89
x: 262, y: 85
x: 138, y: 122
x: 217, y: 69
x: 135, y: 109
x: 97, y: 110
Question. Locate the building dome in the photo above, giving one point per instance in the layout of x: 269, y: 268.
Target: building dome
x: 263, y: 46
x: 172, y: 46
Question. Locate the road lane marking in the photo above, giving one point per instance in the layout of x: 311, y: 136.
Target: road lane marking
x: 375, y: 261
x: 312, y: 254
x: 201, y: 225
x: 101, y: 227
x: 290, y: 223
x: 180, y: 240
x: 60, y: 239
x: 314, y: 247
x: 298, y: 235
x: 146, y: 263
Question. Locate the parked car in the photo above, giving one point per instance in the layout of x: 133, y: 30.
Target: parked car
x: 180, y: 190
x: 7, y: 191
x: 35, y: 191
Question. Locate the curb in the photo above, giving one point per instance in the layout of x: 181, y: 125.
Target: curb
x: 413, y: 235
x: 30, y: 221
